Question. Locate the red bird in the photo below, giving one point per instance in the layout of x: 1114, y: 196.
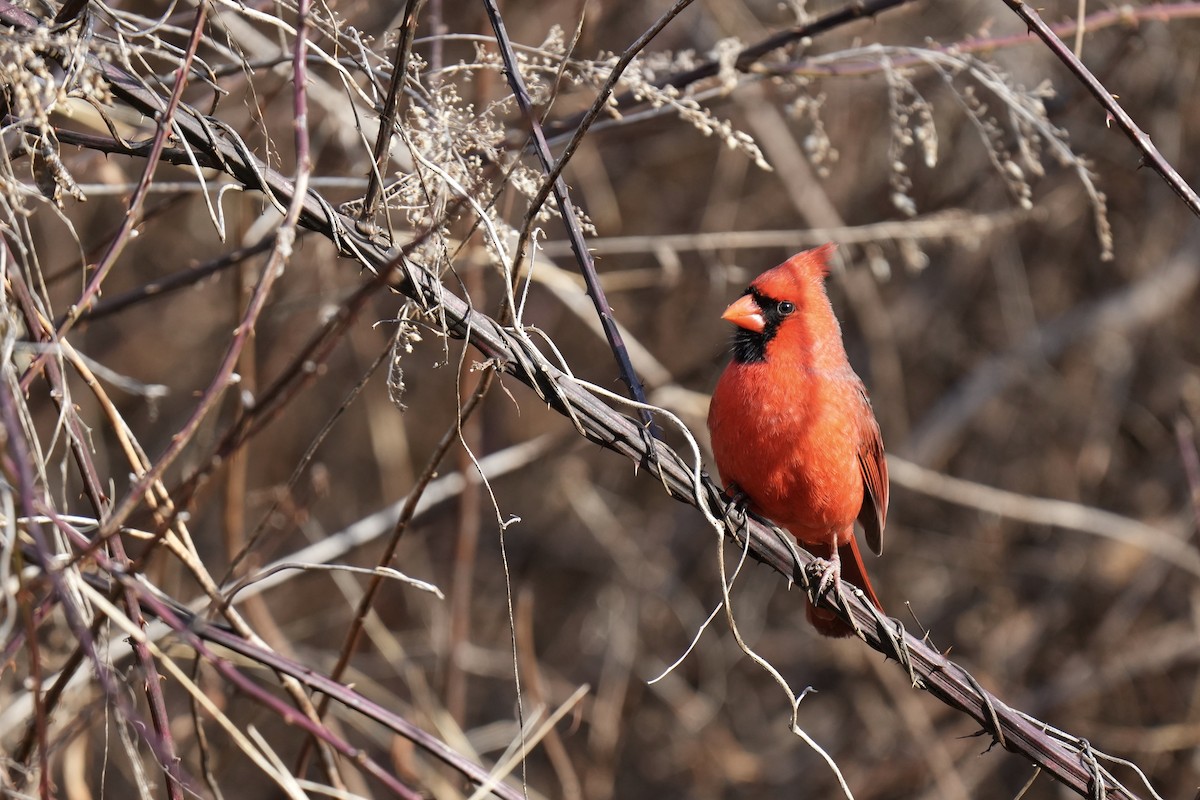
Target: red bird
x: 792, y: 428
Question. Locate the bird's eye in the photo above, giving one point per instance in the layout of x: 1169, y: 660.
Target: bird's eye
x: 786, y: 307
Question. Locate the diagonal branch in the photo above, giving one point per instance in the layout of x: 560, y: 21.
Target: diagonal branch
x: 585, y: 124
x: 587, y: 266
x: 196, y: 632
x: 1140, y: 138
x: 391, y: 107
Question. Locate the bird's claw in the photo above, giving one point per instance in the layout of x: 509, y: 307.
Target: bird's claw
x: 828, y: 575
x: 735, y: 511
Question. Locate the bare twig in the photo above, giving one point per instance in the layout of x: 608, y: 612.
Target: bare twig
x: 196, y: 632
x: 598, y: 105
x: 166, y: 120
x: 41, y: 555
x: 176, y: 281
x: 367, y: 601
x: 164, y: 743
x: 181, y: 621
x: 583, y: 257
x: 747, y: 59
x: 1150, y: 153
x: 391, y: 107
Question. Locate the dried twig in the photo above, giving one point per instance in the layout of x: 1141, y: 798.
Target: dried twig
x: 1150, y: 153
x: 747, y: 59
x: 391, y: 107
x: 176, y: 281
x: 587, y: 266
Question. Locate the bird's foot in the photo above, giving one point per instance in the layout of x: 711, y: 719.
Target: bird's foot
x: 735, y: 511
x: 828, y: 573
x: 826, y: 576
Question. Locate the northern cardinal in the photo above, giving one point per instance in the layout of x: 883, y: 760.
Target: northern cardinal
x: 792, y: 428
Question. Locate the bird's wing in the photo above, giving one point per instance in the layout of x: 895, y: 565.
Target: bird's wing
x: 873, y: 464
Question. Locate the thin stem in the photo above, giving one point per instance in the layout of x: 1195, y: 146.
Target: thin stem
x: 1141, y: 140
x: 391, y: 107
x: 587, y: 266
x: 598, y: 105
x: 749, y: 57
x: 365, y: 603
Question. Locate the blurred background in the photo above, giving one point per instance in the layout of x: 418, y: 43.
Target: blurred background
x: 1016, y: 289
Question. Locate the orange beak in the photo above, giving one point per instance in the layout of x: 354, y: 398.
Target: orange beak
x: 745, y: 313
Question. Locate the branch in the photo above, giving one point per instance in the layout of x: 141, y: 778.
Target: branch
x: 587, y: 266
x: 391, y: 108
x: 196, y: 632
x: 1140, y: 139
x: 749, y: 57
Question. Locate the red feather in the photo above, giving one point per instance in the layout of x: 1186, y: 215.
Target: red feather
x: 791, y: 424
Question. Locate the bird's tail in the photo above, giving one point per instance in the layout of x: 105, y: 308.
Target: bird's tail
x: 853, y: 571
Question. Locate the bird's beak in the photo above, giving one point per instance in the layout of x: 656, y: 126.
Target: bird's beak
x: 745, y: 313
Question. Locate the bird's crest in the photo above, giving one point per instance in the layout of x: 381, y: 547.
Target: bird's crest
x: 797, y: 273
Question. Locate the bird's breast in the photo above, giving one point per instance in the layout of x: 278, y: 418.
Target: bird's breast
x: 790, y: 442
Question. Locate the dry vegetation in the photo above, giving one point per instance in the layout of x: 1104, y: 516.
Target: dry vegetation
x: 220, y: 394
